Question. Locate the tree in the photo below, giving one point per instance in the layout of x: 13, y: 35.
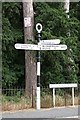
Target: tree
x: 58, y: 66
x: 12, y: 59
x: 30, y: 63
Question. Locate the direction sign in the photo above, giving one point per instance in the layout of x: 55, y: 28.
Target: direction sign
x: 40, y: 47
x: 53, y: 47
x: 50, y: 42
x: 26, y: 46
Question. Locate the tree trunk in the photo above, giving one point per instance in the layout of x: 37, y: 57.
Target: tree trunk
x: 30, y: 63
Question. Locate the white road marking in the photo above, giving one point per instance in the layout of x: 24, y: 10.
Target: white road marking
x: 69, y: 117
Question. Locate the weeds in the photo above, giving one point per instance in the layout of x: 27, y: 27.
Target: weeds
x: 15, y: 103
x: 16, y: 99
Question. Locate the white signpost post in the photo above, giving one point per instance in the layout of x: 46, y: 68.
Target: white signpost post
x: 42, y: 45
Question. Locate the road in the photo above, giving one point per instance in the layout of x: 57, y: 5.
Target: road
x: 65, y: 112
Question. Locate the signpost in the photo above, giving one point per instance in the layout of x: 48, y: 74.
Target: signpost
x: 26, y: 46
x: 42, y: 45
x: 53, y: 47
x: 49, y: 42
x: 39, y: 29
x: 39, y: 47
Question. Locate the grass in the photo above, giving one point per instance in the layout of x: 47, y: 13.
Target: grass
x: 11, y: 103
x: 15, y: 103
x: 47, y: 102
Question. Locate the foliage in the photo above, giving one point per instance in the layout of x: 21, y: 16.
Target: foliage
x: 59, y: 66
x: 13, y: 60
x: 56, y: 66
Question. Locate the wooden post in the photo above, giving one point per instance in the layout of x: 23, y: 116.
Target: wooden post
x: 73, y: 96
x: 32, y: 98
x: 54, y: 97
x: 65, y: 96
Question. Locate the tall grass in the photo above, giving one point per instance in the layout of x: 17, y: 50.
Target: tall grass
x: 16, y: 99
x: 15, y: 103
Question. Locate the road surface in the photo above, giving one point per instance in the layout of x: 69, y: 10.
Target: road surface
x: 65, y: 112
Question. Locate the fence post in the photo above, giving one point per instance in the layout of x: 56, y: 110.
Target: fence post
x: 73, y: 95
x: 32, y: 98
x: 54, y: 97
x: 65, y: 96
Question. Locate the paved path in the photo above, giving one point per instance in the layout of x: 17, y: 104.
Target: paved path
x: 45, y: 113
